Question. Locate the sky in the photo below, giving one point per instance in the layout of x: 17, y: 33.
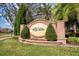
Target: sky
x: 3, y: 21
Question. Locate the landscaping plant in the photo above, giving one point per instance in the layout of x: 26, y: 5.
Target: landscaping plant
x: 50, y: 33
x: 20, y: 19
x: 73, y: 40
x: 25, y: 34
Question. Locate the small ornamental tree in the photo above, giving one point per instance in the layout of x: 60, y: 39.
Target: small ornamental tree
x: 50, y: 33
x: 25, y: 34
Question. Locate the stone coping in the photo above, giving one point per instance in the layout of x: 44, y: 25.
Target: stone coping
x: 38, y: 40
x: 59, y: 44
x: 38, y: 21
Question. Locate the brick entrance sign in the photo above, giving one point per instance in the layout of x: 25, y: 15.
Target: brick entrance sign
x: 38, y: 29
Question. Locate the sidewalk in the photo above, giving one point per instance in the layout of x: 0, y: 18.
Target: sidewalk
x: 6, y: 36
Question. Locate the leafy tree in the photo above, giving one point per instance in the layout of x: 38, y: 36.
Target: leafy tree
x: 29, y: 13
x: 45, y: 9
x: 50, y: 33
x: 66, y: 12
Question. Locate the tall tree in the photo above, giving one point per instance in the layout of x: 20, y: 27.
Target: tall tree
x: 29, y: 12
x: 45, y: 9
x: 20, y: 18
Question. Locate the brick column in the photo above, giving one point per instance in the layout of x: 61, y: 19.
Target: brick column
x: 61, y: 32
x: 21, y: 28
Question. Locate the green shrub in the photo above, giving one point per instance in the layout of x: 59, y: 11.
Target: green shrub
x: 25, y: 34
x: 73, y: 40
x: 78, y: 40
x: 71, y: 33
x: 77, y: 33
x: 50, y: 33
x: 78, y: 30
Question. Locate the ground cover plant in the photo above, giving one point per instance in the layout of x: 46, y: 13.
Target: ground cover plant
x: 25, y: 34
x: 50, y: 33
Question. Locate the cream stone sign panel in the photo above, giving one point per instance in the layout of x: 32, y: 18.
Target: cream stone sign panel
x: 38, y: 29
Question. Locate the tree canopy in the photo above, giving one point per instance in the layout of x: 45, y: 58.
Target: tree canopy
x: 67, y: 12
x: 62, y: 11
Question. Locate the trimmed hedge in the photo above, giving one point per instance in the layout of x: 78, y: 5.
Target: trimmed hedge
x: 50, y: 33
x: 25, y: 34
x: 73, y: 40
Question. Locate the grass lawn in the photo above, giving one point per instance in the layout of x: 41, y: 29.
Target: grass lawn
x: 12, y: 47
x: 4, y: 33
